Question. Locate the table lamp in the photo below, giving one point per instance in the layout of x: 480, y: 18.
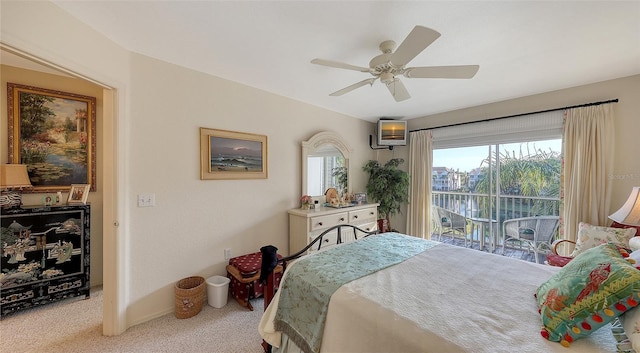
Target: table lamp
x: 12, y: 177
x: 628, y: 216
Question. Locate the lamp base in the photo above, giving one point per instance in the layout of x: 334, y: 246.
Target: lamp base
x: 10, y: 199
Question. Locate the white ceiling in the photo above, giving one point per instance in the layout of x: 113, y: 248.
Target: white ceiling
x: 522, y: 48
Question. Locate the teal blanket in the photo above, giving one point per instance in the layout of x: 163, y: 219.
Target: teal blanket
x: 310, y: 282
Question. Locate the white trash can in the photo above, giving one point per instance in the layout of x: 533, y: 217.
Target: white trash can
x: 218, y: 291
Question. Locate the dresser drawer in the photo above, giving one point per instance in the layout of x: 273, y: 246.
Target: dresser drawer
x: 328, y: 240
x: 363, y: 215
x: 369, y: 227
x: 322, y: 222
x: 306, y: 225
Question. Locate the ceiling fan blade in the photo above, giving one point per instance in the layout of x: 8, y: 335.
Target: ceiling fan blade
x: 461, y: 71
x: 339, y: 65
x: 418, y: 39
x: 398, y: 91
x: 353, y: 86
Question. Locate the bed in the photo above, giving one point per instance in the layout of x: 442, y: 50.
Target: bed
x: 440, y: 298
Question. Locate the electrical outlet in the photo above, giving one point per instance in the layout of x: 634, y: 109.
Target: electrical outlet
x: 227, y: 253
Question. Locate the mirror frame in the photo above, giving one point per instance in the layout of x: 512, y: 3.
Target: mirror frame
x: 314, y: 143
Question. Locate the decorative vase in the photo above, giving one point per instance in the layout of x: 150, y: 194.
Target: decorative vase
x: 305, y: 206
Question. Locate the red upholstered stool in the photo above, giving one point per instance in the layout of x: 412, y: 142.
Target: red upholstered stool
x: 244, y: 272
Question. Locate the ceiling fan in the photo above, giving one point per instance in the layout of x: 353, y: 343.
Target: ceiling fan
x: 390, y: 64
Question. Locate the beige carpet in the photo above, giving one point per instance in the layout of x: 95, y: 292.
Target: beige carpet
x: 76, y: 326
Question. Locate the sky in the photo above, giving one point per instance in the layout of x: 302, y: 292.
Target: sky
x: 467, y: 158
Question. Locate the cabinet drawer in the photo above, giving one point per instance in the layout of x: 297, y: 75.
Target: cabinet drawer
x: 322, y: 222
x: 363, y: 215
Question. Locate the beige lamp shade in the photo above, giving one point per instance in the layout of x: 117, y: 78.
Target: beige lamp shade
x: 14, y: 176
x: 629, y: 213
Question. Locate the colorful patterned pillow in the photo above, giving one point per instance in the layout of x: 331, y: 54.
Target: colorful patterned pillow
x: 590, y: 291
x: 590, y: 236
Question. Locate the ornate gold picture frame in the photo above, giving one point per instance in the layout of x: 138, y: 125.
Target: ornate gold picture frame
x: 53, y: 133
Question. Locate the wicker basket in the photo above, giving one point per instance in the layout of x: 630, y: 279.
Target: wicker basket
x: 190, y: 293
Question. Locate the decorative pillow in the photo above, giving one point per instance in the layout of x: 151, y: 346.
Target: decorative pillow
x: 589, y: 292
x: 590, y: 236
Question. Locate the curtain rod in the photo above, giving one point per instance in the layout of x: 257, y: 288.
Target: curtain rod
x: 523, y: 114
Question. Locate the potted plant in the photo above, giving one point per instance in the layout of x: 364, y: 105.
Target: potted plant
x: 389, y: 186
x: 341, y: 174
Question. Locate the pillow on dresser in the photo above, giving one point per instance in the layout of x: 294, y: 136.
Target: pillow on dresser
x: 592, y: 290
x: 590, y: 236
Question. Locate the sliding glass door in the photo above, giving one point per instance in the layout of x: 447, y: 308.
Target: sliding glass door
x: 499, y: 181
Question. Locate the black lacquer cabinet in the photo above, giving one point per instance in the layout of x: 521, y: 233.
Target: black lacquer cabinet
x: 45, y: 256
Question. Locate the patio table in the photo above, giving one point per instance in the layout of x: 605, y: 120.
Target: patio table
x: 482, y: 224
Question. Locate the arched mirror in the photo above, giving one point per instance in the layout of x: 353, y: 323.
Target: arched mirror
x: 325, y: 164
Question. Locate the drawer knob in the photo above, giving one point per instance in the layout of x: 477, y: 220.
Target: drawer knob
x: 355, y: 217
x: 371, y: 213
x: 326, y: 240
x: 342, y: 219
x: 320, y: 223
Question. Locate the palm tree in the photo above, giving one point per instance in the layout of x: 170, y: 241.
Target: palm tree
x: 530, y: 173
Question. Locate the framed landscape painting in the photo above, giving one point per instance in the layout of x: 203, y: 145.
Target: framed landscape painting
x: 53, y: 133
x: 232, y: 155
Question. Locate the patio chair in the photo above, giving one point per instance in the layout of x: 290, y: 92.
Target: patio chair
x: 538, y: 233
x: 450, y: 223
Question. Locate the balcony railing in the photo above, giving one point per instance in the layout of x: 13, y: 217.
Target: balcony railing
x: 473, y: 205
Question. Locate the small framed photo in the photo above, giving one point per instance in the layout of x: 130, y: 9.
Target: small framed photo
x: 360, y: 198
x: 49, y: 199
x: 78, y: 194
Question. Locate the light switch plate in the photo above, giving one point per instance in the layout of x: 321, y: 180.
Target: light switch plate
x: 146, y: 200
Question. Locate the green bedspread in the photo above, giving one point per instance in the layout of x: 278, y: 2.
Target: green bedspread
x: 310, y: 282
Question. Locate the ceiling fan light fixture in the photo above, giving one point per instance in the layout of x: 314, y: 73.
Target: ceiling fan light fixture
x: 386, y: 77
x: 392, y: 62
x: 387, y: 46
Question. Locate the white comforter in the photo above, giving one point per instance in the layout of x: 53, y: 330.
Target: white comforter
x: 447, y: 299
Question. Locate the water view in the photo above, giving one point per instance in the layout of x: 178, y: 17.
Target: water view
x: 235, y: 155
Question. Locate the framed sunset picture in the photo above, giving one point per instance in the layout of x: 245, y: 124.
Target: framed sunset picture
x: 232, y: 155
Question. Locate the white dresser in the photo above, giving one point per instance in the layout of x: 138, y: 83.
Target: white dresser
x: 306, y: 225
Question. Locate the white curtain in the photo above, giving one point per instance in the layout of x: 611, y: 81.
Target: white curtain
x: 420, y: 163
x: 588, y: 161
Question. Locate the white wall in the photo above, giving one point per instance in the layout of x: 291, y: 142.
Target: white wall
x: 194, y: 220
x: 159, y: 109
